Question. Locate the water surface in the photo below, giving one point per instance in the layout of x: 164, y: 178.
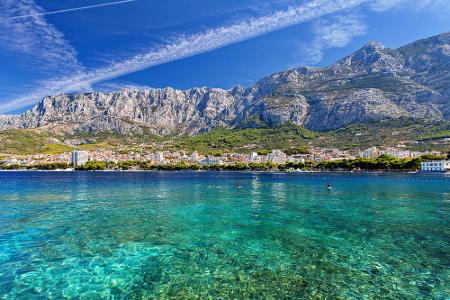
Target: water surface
x: 135, y: 235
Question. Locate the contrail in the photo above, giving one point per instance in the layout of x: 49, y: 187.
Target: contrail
x: 70, y: 9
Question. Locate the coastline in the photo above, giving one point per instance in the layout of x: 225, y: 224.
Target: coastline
x: 355, y: 172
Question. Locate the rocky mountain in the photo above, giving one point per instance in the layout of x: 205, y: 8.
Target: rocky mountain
x: 373, y: 83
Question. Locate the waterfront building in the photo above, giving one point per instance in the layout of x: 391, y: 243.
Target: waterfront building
x: 159, y: 157
x: 436, y: 166
x: 298, y: 158
x: 210, y: 160
x: 398, y: 153
x: 277, y: 157
x: 184, y: 158
x: 253, y: 157
x: 79, y: 158
x: 194, y: 157
x: 372, y: 152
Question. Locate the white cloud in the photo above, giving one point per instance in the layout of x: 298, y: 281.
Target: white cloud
x: 35, y: 37
x: 335, y: 32
x: 186, y: 46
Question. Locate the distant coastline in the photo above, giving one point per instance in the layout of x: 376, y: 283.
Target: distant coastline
x: 382, y: 164
x: 294, y: 172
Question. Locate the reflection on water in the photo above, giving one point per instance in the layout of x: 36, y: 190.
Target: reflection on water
x: 228, y: 235
x: 256, y: 196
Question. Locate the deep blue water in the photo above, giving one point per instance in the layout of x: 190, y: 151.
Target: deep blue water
x: 140, y: 235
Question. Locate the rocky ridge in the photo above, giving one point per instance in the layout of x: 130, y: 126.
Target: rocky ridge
x: 373, y: 83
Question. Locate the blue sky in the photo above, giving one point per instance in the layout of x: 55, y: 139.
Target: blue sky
x: 50, y: 47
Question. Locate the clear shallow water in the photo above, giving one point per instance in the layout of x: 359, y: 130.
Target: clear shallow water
x: 195, y: 234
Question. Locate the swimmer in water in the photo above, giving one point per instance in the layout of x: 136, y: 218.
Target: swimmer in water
x: 238, y: 186
x: 329, y: 187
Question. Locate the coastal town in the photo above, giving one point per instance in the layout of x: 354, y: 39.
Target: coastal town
x: 277, y: 157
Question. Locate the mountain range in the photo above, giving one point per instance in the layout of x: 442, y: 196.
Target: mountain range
x: 372, y: 84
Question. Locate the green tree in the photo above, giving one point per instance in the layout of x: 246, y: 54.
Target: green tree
x: 297, y: 150
x: 92, y: 166
x: 263, y: 152
x: 51, y: 166
x: 384, y: 162
x: 432, y: 157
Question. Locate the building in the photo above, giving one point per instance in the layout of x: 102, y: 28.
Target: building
x: 159, y: 157
x: 210, y: 160
x: 277, y: 157
x: 253, y: 157
x: 79, y: 158
x: 195, y: 157
x: 298, y: 158
x: 372, y: 152
x: 436, y: 166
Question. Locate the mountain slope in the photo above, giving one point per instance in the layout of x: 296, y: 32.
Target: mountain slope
x: 371, y: 84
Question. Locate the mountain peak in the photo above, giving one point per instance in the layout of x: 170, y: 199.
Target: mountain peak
x: 373, y: 46
x: 373, y: 57
x: 371, y: 49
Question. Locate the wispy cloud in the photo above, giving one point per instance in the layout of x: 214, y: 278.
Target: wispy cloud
x: 188, y: 45
x: 383, y: 5
x: 335, y: 32
x: 112, y: 86
x: 35, y: 37
x: 45, y: 13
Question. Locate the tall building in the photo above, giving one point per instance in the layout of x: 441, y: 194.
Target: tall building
x: 159, y: 157
x: 79, y: 158
x: 194, y: 157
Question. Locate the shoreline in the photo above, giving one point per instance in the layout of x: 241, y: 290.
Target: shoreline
x: 227, y: 171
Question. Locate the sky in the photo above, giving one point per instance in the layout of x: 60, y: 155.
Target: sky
x: 50, y: 47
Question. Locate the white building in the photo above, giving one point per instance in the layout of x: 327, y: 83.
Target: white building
x: 159, y: 157
x: 194, y: 157
x: 277, y: 157
x: 253, y: 157
x: 210, y: 160
x: 79, y: 158
x: 298, y: 158
x: 398, y: 153
x: 372, y: 152
x: 436, y: 166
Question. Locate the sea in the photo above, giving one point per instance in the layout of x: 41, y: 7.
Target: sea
x: 224, y: 235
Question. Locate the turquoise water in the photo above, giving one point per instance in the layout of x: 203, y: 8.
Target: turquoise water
x: 198, y: 235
